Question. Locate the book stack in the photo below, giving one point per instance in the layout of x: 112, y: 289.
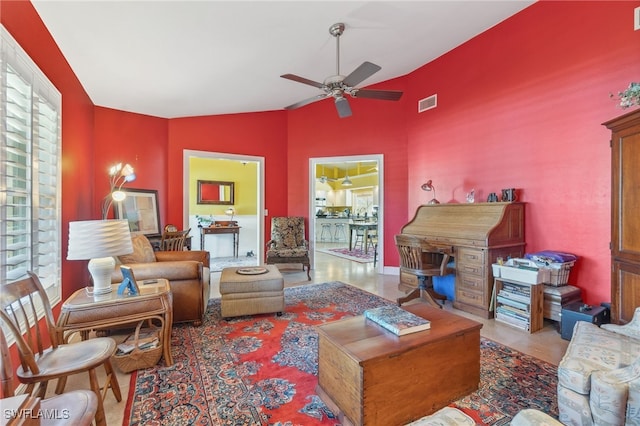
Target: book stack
x: 397, y: 320
x: 513, y: 305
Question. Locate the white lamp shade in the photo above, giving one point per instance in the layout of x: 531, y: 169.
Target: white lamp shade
x: 89, y: 239
x: 99, y: 240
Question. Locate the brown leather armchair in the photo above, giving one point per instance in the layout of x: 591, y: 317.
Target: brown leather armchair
x: 188, y: 275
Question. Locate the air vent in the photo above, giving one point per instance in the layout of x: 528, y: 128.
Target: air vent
x: 428, y: 103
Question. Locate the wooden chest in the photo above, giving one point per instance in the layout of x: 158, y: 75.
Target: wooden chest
x: 373, y: 377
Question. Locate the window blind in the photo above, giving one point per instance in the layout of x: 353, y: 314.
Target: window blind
x: 30, y: 142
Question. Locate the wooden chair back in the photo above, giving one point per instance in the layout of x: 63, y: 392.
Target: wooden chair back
x: 20, y: 303
x: 421, y: 258
x: 173, y: 240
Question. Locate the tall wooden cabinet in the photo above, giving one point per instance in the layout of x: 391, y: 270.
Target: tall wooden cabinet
x: 625, y: 216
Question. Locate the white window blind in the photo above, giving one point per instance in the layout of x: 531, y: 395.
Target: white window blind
x: 30, y: 151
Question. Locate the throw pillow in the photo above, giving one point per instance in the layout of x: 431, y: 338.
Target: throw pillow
x: 142, y: 251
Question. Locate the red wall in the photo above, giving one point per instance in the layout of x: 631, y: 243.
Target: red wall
x: 140, y: 140
x: 521, y: 106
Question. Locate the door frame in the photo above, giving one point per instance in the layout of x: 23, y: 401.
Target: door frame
x: 187, y: 154
x: 313, y: 162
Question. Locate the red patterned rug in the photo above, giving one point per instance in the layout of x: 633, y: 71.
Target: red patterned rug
x: 356, y: 255
x: 263, y: 370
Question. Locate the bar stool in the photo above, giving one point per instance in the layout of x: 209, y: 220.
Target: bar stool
x: 339, y: 234
x: 326, y: 232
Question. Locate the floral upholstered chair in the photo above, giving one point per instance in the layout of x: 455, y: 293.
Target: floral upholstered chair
x: 599, y: 375
x: 287, y: 243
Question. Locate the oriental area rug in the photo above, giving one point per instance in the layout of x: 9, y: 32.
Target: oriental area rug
x: 263, y: 369
x: 356, y: 255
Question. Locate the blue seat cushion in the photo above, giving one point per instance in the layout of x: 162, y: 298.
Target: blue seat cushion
x: 446, y: 285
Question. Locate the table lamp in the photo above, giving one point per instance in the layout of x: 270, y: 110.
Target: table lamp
x: 98, y: 241
x: 230, y: 212
x: 428, y: 186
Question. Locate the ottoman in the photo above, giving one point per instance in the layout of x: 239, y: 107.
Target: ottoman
x: 246, y: 293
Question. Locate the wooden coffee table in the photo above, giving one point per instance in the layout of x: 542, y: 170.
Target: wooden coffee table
x: 370, y: 376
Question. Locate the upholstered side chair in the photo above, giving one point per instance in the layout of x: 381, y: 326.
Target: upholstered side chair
x: 288, y: 243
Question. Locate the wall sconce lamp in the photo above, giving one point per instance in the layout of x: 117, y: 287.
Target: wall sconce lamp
x: 429, y: 187
x: 118, y: 176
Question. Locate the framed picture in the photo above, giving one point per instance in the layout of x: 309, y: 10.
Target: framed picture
x: 140, y: 209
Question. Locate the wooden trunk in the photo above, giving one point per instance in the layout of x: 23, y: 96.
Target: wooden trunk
x: 374, y: 377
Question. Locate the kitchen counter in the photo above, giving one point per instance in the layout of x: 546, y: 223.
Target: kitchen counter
x: 331, y: 222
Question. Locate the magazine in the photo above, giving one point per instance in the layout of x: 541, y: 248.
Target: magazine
x: 397, y: 320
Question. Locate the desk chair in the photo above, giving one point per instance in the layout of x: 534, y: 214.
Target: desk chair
x: 79, y: 406
x: 423, y: 260
x: 40, y: 363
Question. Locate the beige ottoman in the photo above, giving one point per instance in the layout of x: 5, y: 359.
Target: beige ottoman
x: 251, y: 294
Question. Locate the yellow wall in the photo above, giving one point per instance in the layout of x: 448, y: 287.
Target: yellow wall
x: 243, y: 175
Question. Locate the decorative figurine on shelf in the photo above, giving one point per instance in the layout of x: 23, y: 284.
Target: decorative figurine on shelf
x: 471, y: 196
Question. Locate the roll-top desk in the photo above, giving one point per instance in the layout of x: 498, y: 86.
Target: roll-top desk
x: 479, y: 233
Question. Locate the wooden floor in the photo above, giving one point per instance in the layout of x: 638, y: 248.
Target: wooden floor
x: 545, y: 344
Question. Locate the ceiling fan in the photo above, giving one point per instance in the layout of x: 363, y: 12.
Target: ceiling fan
x: 338, y: 85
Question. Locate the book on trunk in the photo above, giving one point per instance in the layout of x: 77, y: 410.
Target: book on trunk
x: 397, y: 320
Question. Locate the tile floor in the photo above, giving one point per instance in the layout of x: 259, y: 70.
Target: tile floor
x: 545, y: 344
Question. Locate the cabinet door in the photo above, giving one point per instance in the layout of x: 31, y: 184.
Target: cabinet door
x: 625, y: 179
x: 625, y: 291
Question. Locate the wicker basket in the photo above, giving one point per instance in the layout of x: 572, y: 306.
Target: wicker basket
x: 139, y: 358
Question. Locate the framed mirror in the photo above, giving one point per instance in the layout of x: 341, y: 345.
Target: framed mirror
x: 215, y: 192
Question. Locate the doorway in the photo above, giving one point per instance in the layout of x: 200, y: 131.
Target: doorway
x: 247, y: 173
x: 362, y: 200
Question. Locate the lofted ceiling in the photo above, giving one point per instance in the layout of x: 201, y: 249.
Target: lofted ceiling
x: 190, y: 58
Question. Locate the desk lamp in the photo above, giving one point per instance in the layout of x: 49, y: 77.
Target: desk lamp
x: 230, y: 212
x: 98, y: 241
x: 429, y: 187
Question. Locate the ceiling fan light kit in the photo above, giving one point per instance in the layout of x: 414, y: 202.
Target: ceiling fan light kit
x: 337, y: 85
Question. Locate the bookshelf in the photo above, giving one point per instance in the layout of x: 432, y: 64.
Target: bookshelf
x: 519, y: 304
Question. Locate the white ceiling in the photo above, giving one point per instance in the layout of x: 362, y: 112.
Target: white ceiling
x: 189, y: 58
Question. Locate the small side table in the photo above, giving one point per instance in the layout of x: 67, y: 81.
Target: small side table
x: 83, y: 313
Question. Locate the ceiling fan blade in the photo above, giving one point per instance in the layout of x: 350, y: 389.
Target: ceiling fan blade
x: 303, y: 80
x: 342, y: 105
x: 364, y: 71
x: 385, y: 95
x: 306, y: 101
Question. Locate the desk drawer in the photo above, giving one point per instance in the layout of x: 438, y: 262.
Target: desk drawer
x: 468, y: 256
x: 469, y: 297
x: 469, y: 282
x: 472, y: 269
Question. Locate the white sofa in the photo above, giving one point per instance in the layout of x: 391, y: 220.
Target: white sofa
x: 599, y: 375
